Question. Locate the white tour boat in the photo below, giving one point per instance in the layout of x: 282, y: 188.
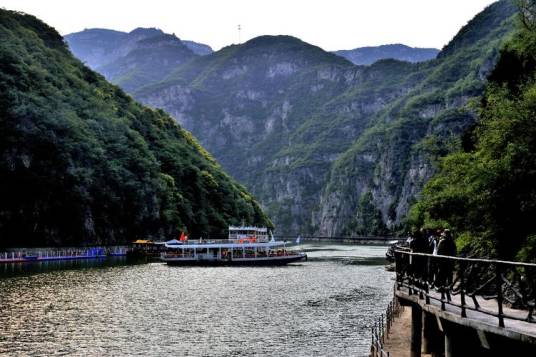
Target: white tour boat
x: 245, y: 245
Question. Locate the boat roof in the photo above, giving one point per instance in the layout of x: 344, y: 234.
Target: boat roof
x: 226, y: 245
x: 143, y: 241
x: 248, y: 228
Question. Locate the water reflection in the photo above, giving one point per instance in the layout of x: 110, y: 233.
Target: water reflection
x: 322, y: 307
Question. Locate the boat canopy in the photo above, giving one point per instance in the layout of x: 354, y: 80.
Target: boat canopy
x: 248, y: 228
x: 143, y: 241
x: 226, y: 245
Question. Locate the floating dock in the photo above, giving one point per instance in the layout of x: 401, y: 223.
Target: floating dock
x: 67, y: 254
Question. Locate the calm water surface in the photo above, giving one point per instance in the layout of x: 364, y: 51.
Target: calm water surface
x: 322, y: 307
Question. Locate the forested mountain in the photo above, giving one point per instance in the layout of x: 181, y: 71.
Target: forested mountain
x: 371, y: 54
x: 327, y: 146
x: 83, y: 163
x: 486, y: 191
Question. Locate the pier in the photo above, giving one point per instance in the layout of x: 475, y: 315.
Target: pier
x: 463, y: 306
x: 32, y: 255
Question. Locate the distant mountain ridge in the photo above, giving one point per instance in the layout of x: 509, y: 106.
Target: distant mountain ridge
x: 133, y: 59
x: 370, y: 54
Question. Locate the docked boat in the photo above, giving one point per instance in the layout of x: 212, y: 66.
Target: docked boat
x: 245, y: 245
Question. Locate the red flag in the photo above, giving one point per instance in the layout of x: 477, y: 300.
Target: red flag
x: 183, y: 237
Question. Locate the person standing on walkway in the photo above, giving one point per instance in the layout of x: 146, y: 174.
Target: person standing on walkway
x: 445, y: 246
x: 419, y: 244
x: 433, y: 239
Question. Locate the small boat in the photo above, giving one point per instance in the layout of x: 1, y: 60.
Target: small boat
x: 246, y: 245
x: 30, y: 258
x: 146, y: 250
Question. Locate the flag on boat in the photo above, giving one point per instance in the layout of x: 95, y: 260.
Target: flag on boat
x: 183, y: 237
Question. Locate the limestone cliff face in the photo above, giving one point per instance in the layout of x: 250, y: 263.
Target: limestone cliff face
x: 329, y: 147
x: 372, y: 186
x: 277, y: 120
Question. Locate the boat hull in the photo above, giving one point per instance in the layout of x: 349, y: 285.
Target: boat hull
x: 272, y: 261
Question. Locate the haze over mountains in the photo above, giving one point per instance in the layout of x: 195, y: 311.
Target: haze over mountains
x: 328, y: 147
x: 132, y: 59
x: 369, y: 55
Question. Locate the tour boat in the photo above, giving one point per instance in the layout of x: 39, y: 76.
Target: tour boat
x: 245, y: 245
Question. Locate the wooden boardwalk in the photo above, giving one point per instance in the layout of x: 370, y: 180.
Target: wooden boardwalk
x: 482, y: 320
x: 473, y: 306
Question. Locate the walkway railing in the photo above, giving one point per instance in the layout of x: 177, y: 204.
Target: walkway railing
x: 382, y: 327
x: 439, y: 278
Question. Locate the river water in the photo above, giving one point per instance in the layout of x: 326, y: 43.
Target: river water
x: 322, y: 307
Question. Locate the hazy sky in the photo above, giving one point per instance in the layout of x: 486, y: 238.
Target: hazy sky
x: 330, y: 24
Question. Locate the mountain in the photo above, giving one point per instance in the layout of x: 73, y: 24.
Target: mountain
x: 134, y: 59
x: 83, y: 163
x: 369, y: 55
x: 152, y: 59
x: 329, y: 147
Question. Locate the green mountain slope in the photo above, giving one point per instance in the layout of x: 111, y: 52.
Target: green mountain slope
x: 485, y: 192
x: 83, y: 163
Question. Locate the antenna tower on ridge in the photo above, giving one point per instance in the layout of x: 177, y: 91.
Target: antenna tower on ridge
x: 239, y: 37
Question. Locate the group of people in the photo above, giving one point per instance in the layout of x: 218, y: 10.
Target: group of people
x: 436, y: 242
x: 430, y: 241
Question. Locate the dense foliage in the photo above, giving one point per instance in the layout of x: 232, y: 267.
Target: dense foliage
x: 81, y: 162
x: 487, y: 192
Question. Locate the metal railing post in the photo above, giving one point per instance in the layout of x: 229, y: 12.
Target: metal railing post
x: 462, y: 288
x: 498, y: 277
